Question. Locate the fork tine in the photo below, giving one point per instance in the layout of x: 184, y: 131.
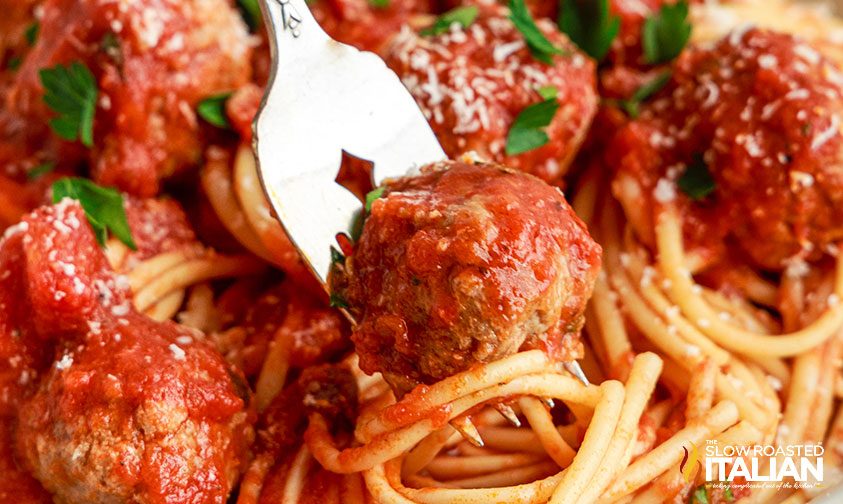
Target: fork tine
x: 468, y: 430
x: 574, y: 368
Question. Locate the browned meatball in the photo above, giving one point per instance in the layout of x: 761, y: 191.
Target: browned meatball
x: 472, y: 83
x: 129, y: 410
x: 153, y: 62
x: 465, y: 264
x: 762, y: 113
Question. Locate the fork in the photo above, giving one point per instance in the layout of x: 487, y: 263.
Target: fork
x: 325, y: 98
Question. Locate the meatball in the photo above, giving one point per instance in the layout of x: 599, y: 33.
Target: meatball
x: 363, y: 24
x: 153, y: 61
x: 761, y: 113
x: 465, y: 264
x: 127, y: 409
x: 472, y: 83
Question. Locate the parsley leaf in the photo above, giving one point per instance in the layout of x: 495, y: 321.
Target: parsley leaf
x: 212, y: 110
x: 31, y: 33
x: 665, y: 34
x: 590, y: 25
x: 648, y: 89
x: 697, y: 181
x: 337, y: 257
x: 463, y: 16
x: 14, y: 63
x: 251, y: 11
x: 540, y: 47
x: 372, y: 196
x: 337, y: 301
x: 527, y: 132
x: 728, y: 494
x: 40, y: 170
x: 71, y: 91
x: 379, y: 4
x: 700, y: 495
x: 103, y: 208
x: 548, y: 92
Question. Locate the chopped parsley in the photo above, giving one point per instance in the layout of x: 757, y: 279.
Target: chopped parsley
x: 648, y: 89
x: 590, y: 25
x: 548, y: 92
x: 212, y: 110
x: 527, y: 131
x: 337, y: 257
x: 665, y: 34
x: 697, y: 181
x: 251, y: 11
x: 31, y: 33
x: 40, y: 170
x: 337, y: 301
x: 379, y: 4
x: 372, y: 196
x: 14, y: 63
x: 463, y: 16
x: 700, y: 495
x: 103, y: 208
x: 540, y: 47
x: 71, y: 92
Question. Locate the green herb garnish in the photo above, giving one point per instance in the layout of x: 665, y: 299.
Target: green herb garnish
x: 648, y: 89
x: 31, y: 33
x: 372, y: 196
x: 665, y: 34
x: 212, y: 110
x: 40, y: 170
x: 527, y: 131
x: 590, y: 25
x: 103, y: 207
x: 379, y: 4
x: 337, y: 257
x: 71, y: 91
x: 697, y: 181
x: 463, y: 16
x: 337, y: 301
x: 540, y: 47
x: 700, y: 495
x: 251, y: 11
x: 14, y: 63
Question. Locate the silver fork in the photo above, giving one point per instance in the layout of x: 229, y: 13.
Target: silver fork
x: 324, y: 98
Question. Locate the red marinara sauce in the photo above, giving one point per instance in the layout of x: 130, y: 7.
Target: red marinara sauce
x: 153, y: 62
x: 109, y: 404
x: 465, y: 264
x: 365, y: 25
x: 471, y: 84
x: 762, y: 112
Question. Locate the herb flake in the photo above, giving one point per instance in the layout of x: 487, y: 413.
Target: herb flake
x: 379, y: 4
x: 212, y: 110
x: 31, y: 33
x: 590, y: 25
x: 251, y: 12
x: 666, y: 33
x: 540, y: 47
x: 337, y: 301
x: 40, y: 170
x: 372, y: 196
x: 697, y: 181
x: 527, y: 131
x: 71, y: 92
x: 648, y: 89
x: 103, y: 208
x: 463, y: 16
